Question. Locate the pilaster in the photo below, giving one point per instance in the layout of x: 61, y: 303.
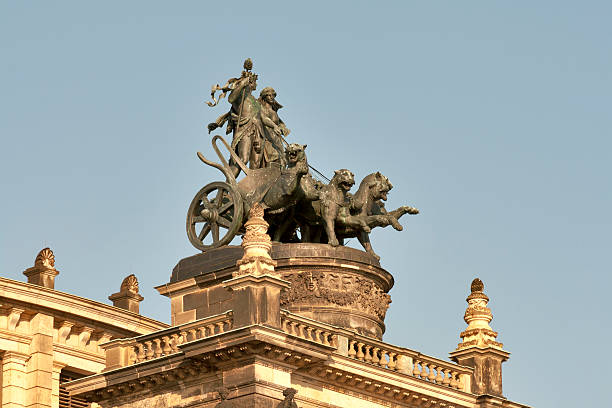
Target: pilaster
x: 55, y: 383
x: 14, y: 379
x: 40, y: 365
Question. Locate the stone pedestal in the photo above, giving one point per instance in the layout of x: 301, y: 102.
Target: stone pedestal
x: 342, y: 286
x: 256, y: 300
x: 127, y: 300
x: 128, y: 297
x: 487, y: 364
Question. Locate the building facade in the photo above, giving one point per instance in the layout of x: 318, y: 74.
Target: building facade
x: 287, y: 325
x: 48, y: 337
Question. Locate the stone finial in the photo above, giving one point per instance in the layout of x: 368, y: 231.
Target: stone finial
x: 129, y: 284
x: 288, y: 402
x: 43, y: 272
x: 128, y: 297
x: 478, y: 316
x: 256, y: 244
x: 479, y: 349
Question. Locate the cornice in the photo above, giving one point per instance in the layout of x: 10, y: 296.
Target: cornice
x: 65, y: 303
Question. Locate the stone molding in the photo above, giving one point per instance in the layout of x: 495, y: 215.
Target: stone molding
x: 22, y: 295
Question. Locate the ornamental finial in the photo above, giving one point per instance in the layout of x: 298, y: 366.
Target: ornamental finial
x: 45, y: 259
x: 257, y: 244
x: 43, y: 272
x: 478, y: 316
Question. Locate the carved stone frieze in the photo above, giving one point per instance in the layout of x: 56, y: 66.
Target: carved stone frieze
x: 337, y: 289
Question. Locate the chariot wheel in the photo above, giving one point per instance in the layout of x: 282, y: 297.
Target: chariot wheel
x: 214, y: 216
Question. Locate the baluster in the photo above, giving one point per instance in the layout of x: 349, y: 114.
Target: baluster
x: 432, y: 374
x: 424, y: 374
x: 351, y: 349
x: 453, y: 380
x: 183, y: 337
x: 318, y: 336
x: 447, y: 379
x: 194, y: 334
x: 166, y: 349
x: 157, y: 350
x: 230, y: 323
x: 333, y: 340
x: 325, y: 338
x: 175, y: 342
x: 391, y: 365
x: 384, y: 358
x: 301, y: 330
x: 148, y: 350
x: 140, y: 353
x: 375, y: 359
x: 211, y: 329
x: 440, y: 377
x: 202, y: 332
x: 221, y: 326
x: 416, y: 372
x: 284, y: 324
x: 309, y: 335
x: 359, y: 354
x: 368, y: 356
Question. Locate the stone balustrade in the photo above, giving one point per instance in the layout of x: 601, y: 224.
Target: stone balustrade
x: 124, y: 352
x: 409, y: 362
x: 308, y: 329
x: 377, y: 353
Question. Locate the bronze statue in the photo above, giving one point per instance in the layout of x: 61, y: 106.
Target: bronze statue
x: 257, y: 130
x: 297, y: 207
x: 368, y: 204
x: 273, y: 126
x: 288, y: 402
x: 244, y: 118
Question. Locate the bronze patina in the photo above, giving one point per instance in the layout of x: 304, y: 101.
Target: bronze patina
x: 298, y: 207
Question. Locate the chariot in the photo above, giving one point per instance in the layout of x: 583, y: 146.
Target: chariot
x: 218, y: 211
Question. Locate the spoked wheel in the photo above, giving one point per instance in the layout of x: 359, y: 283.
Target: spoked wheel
x: 214, y: 216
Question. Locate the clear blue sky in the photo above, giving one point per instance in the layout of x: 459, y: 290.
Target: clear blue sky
x: 492, y: 117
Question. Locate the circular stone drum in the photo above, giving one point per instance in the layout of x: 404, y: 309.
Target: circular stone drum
x: 341, y: 286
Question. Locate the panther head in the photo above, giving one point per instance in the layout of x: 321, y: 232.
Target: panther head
x: 344, y: 179
x: 381, y: 188
x: 295, y: 153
